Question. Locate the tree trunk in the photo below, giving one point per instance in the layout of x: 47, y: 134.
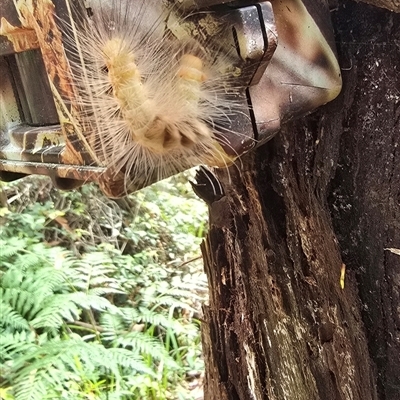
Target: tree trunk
x: 323, y: 193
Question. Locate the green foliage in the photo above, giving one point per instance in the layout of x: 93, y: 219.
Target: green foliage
x: 97, y: 297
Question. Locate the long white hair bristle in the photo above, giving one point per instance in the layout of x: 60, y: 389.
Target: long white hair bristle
x: 152, y: 103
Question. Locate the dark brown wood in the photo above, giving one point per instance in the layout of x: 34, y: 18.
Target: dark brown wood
x: 324, y: 192
x: 392, y: 5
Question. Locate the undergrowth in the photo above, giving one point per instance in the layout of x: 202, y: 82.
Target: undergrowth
x: 100, y: 299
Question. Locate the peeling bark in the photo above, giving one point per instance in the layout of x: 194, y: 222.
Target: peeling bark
x: 324, y: 192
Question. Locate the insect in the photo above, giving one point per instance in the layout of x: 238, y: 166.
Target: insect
x: 154, y: 101
x: 126, y: 93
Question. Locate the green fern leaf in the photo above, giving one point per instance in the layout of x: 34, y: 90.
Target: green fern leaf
x: 10, y: 247
x: 157, y: 319
x: 130, y: 360
x: 11, y: 319
x: 15, y: 343
x: 113, y: 325
x: 172, y: 302
x: 142, y: 343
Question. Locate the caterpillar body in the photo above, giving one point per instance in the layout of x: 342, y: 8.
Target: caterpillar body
x: 154, y: 99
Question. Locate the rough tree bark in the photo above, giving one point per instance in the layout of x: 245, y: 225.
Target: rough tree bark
x: 392, y: 5
x: 325, y: 191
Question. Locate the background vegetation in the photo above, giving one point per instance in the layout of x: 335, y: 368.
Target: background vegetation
x: 100, y: 299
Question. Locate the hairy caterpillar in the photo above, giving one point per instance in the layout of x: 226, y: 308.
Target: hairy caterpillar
x: 154, y: 99
x: 139, y: 90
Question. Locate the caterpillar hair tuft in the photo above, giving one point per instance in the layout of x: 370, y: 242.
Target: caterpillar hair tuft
x: 153, y: 97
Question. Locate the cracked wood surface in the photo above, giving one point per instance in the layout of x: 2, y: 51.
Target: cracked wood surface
x: 325, y: 191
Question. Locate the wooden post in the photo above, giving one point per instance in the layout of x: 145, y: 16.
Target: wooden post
x: 322, y: 199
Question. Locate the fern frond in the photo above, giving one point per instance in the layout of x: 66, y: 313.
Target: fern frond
x: 10, y: 318
x: 46, y: 280
x: 27, y: 293
x: 34, y: 296
x: 57, y: 363
x: 130, y: 360
x: 55, y: 310
x: 88, y: 273
x: 58, y: 355
x: 145, y: 344
x: 88, y: 301
x: 14, y: 343
x: 31, y: 388
x: 172, y: 302
x: 31, y: 260
x: 157, y: 319
x: 12, y: 278
x: 39, y: 308
x: 130, y: 315
x: 10, y: 247
x: 113, y: 325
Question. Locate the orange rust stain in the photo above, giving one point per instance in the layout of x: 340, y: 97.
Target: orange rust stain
x: 22, y: 39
